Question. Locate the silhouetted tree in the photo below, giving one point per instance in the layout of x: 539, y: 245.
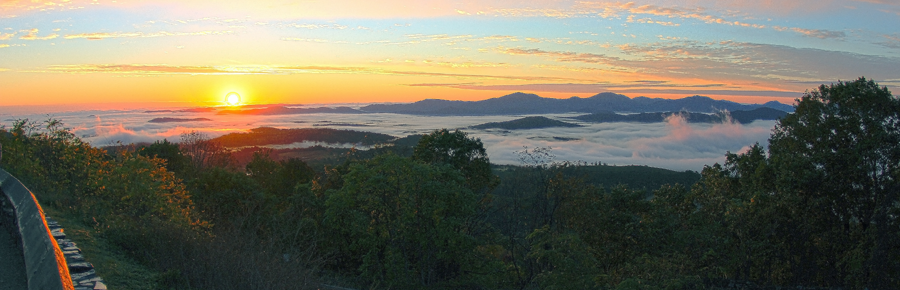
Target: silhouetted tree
x: 203, y: 152
x: 461, y: 152
x: 168, y: 151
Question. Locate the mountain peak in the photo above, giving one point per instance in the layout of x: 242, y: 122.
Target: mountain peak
x: 610, y: 97
x: 520, y: 96
x: 699, y: 98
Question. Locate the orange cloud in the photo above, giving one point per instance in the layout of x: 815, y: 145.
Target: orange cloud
x: 5, y: 36
x: 275, y: 70
x: 10, y: 7
x: 631, y: 19
x: 538, y: 12
x: 819, y: 33
x: 32, y: 35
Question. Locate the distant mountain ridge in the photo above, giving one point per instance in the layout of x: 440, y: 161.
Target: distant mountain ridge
x: 522, y: 103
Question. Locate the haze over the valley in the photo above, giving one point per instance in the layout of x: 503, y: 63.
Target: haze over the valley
x: 674, y: 142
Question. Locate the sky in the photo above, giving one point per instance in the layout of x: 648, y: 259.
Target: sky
x: 194, y: 52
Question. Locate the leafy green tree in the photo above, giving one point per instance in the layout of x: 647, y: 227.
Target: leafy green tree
x: 168, y: 151
x: 839, y: 152
x: 406, y: 220
x: 278, y: 178
x: 222, y: 194
x: 264, y: 170
x: 733, y: 223
x: 460, y: 152
x: 820, y: 209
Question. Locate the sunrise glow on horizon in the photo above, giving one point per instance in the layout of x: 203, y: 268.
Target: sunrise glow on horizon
x: 348, y: 51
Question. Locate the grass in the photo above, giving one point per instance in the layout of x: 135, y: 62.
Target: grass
x: 117, y: 270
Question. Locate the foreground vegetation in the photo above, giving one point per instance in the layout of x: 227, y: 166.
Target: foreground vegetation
x: 818, y: 208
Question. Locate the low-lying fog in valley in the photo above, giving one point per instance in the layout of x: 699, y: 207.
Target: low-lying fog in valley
x: 675, y: 144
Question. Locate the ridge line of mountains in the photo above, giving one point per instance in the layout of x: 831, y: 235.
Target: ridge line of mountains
x: 522, y: 103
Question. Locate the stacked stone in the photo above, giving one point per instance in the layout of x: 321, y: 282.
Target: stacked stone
x: 83, y: 275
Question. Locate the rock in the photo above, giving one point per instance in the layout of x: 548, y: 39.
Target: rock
x: 74, y: 258
x: 80, y: 267
x: 99, y: 286
x: 82, y: 276
x: 58, y: 233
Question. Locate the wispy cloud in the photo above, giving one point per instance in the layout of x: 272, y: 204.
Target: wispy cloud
x: 563, y: 56
x: 631, y: 19
x: 6, y: 36
x: 32, y: 35
x: 411, y: 39
x: 537, y: 12
x: 315, y: 40
x: 321, y: 69
x: 12, y: 7
x: 105, y: 35
x: 461, y: 64
x: 892, y: 41
x: 274, y: 70
x: 618, y: 9
x: 317, y: 26
x: 820, y: 33
x: 727, y: 59
x: 885, y: 2
x: 139, y: 69
x: 634, y: 13
x: 453, y: 39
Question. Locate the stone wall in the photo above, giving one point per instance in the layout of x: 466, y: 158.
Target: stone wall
x: 45, y: 264
x: 82, y: 273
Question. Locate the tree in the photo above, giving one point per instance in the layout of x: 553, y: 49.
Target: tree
x: 278, y: 178
x: 168, y: 151
x: 821, y: 209
x: 461, y: 152
x: 203, y: 152
x: 405, y: 220
x: 468, y: 156
x: 840, y: 153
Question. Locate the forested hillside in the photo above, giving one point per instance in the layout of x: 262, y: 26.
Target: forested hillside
x: 817, y: 208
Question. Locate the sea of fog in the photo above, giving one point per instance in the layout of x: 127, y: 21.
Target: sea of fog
x: 675, y: 144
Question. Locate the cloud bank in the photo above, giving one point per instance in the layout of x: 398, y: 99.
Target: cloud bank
x: 676, y: 144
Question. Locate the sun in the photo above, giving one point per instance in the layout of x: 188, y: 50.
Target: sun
x: 232, y: 99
